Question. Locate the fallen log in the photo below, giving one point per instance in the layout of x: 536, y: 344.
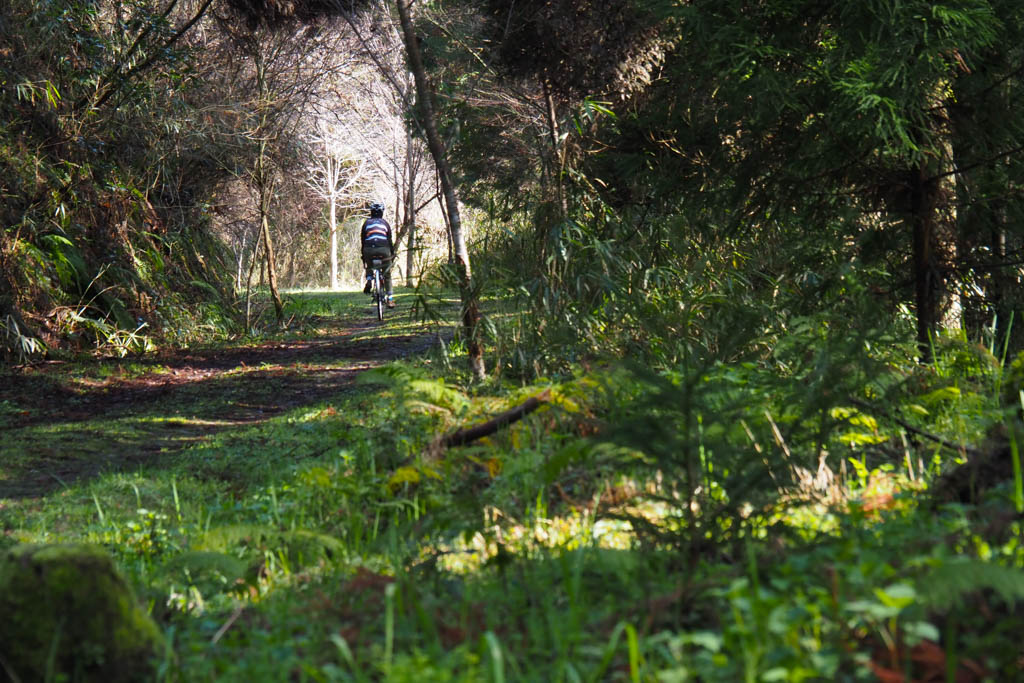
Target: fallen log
x: 468, y: 435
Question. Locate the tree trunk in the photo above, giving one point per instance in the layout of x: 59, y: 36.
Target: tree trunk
x: 447, y: 226
x: 410, y: 211
x: 332, y: 200
x: 240, y: 258
x: 293, y: 255
x: 556, y: 154
x: 264, y: 185
x: 271, y: 270
x: 248, y: 281
x: 981, y: 214
x: 470, y: 305
x: 1008, y: 321
x: 927, y: 276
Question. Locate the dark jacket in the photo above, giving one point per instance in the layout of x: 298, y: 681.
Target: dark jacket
x: 376, y: 232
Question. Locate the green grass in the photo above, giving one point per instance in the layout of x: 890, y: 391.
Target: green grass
x: 327, y: 542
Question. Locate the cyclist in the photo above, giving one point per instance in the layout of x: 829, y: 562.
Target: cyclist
x: 378, y: 243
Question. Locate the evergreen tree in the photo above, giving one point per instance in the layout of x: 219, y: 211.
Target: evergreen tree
x: 835, y: 131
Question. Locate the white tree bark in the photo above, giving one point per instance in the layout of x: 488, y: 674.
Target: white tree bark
x: 331, y: 179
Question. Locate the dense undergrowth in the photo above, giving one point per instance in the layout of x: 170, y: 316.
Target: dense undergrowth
x: 107, y: 179
x: 706, y: 523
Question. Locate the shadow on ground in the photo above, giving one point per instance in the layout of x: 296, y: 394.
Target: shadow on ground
x: 57, y: 429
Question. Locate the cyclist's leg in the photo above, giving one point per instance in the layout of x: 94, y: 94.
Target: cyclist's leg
x: 387, y: 282
x: 372, y: 252
x: 367, y: 273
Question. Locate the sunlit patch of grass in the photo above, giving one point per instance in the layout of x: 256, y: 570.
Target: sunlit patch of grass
x: 99, y: 372
x: 807, y: 520
x: 354, y: 310
x: 74, y: 440
x: 565, y: 532
x: 177, y: 421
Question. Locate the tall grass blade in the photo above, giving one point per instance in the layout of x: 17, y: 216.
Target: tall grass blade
x: 609, y: 651
x: 51, y: 656
x: 634, y: 653
x: 177, y: 503
x: 389, y: 628
x: 346, y: 654
x: 99, y: 509
x: 1018, y: 484
x: 497, y: 659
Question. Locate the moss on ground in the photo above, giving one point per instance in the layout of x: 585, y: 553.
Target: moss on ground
x: 69, y: 614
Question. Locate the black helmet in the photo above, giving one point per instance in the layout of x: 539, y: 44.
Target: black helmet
x: 376, y: 210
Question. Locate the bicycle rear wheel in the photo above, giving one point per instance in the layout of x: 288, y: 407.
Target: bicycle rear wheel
x: 379, y: 294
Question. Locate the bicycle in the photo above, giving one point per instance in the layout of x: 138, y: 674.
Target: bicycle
x: 377, y: 286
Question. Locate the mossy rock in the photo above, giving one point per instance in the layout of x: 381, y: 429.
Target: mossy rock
x: 68, y: 614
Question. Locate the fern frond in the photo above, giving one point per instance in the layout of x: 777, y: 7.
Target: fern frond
x: 439, y: 393
x: 391, y: 374
x: 228, y: 537
x: 200, y: 562
x: 299, y: 545
x: 948, y: 584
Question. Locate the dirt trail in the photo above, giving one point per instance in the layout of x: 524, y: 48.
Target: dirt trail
x: 189, y: 394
